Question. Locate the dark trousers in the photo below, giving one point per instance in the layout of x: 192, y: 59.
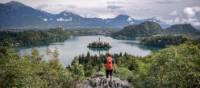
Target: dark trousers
x: 109, y: 73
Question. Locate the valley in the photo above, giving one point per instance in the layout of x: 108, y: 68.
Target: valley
x: 138, y: 43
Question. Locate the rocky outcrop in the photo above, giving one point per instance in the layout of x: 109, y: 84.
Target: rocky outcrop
x: 100, y: 81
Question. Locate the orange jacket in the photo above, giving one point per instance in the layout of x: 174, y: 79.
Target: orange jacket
x: 109, y: 63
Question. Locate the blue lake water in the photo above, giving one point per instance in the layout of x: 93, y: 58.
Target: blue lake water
x: 78, y: 45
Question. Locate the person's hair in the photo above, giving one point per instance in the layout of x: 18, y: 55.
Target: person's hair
x: 108, y: 55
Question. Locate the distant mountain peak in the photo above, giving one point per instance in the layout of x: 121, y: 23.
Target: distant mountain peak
x: 15, y: 3
x: 153, y: 19
x: 122, y: 16
x: 150, y: 23
x: 66, y: 12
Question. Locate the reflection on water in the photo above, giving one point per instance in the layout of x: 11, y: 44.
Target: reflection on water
x: 78, y: 45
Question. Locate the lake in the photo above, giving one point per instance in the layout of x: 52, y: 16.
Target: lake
x: 78, y: 45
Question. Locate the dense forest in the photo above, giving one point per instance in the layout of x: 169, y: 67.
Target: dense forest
x: 31, y: 71
x: 31, y: 37
x: 164, y: 40
x: 173, y: 67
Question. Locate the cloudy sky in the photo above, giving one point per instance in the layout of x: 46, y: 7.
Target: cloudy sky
x: 170, y: 11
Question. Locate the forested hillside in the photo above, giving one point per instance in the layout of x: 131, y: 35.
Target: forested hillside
x: 187, y: 29
x: 148, y: 29
x: 31, y: 37
x: 173, y: 67
x: 142, y: 30
x: 165, y: 40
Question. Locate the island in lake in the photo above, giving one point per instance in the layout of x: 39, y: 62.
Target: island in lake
x: 99, y: 45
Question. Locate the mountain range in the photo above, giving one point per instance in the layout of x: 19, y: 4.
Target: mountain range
x: 17, y: 15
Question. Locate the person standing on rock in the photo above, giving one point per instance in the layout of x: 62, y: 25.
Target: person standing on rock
x: 109, y: 65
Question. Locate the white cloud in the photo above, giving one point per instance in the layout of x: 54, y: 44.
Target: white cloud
x: 192, y: 15
x: 173, y: 13
x: 168, y: 10
x: 105, y: 8
x: 189, y: 11
x: 194, y: 21
x: 186, y: 15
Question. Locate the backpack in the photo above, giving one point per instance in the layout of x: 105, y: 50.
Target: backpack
x: 109, y: 63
